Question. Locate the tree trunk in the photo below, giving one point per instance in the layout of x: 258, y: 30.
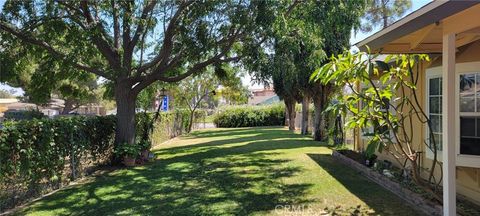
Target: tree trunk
x: 125, y: 99
x: 384, y: 14
x: 319, y: 120
x: 68, y: 107
x: 287, y: 116
x: 305, y: 113
x: 290, y: 113
x: 190, y: 122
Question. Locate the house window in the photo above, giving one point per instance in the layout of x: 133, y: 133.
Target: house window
x: 435, y: 111
x: 469, y: 102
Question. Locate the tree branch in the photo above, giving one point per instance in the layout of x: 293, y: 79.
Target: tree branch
x: 158, y: 73
x: 167, y: 40
x: 127, y: 59
x: 116, y: 26
x: 100, y: 42
x: 291, y: 7
x: 141, y: 26
x: 29, y: 39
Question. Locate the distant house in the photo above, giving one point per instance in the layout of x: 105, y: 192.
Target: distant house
x: 449, y: 31
x: 262, y: 96
x: 53, y: 108
x: 13, y: 104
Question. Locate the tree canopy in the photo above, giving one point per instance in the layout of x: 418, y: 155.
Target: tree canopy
x: 41, y: 77
x: 300, y: 41
x: 133, y: 44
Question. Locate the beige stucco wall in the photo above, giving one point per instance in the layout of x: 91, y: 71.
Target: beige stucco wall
x: 468, y: 179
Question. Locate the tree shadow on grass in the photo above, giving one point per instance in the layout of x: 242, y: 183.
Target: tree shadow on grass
x: 232, y: 180
x: 382, y: 201
x: 263, y: 138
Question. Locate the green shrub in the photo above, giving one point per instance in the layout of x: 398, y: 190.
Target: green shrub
x: 144, y: 144
x: 38, y: 149
x: 23, y: 115
x: 34, y: 150
x: 250, y: 116
x: 168, y: 125
x: 40, y: 154
x: 127, y: 150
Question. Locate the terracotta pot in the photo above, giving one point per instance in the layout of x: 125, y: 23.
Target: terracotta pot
x: 129, y: 161
x: 145, y: 154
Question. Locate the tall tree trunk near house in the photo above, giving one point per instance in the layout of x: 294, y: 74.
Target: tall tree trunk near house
x: 290, y: 113
x: 68, y: 107
x: 125, y: 99
x: 318, y: 122
x: 320, y: 101
x: 305, y: 113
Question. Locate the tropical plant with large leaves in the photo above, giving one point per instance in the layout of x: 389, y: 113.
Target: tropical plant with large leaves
x: 384, y: 98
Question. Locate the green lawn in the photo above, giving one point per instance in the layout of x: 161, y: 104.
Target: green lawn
x: 251, y: 171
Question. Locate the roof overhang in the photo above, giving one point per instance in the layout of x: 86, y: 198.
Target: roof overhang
x: 418, y: 32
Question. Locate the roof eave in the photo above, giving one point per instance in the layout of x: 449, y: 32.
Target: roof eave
x: 428, y: 14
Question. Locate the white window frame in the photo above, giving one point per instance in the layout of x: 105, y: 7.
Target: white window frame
x: 460, y: 69
x: 431, y: 73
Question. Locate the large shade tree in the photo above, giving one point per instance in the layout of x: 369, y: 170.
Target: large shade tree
x: 132, y: 44
x: 284, y: 80
x: 300, y: 40
x: 336, y: 20
x: 315, y: 29
x: 285, y: 61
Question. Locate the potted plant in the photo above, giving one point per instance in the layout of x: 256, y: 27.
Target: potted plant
x: 145, y: 146
x: 128, y: 152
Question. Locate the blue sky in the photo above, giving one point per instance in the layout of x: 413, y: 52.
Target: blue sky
x: 416, y: 4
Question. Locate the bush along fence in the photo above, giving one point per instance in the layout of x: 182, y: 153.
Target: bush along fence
x: 168, y: 125
x: 250, y: 116
x: 39, y: 155
x: 42, y: 154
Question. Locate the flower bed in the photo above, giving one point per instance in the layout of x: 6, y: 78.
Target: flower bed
x: 415, y: 199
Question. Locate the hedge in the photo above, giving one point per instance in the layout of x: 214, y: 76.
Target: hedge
x: 34, y: 153
x: 41, y: 154
x: 250, y: 116
x: 169, y: 124
x: 23, y: 115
